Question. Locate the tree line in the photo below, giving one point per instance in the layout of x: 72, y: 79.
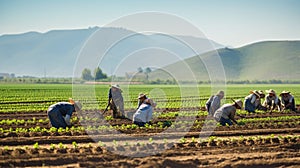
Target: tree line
x: 98, y: 74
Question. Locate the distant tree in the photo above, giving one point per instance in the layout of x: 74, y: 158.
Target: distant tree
x: 140, y: 70
x: 147, y: 71
x: 86, y: 74
x: 99, y: 74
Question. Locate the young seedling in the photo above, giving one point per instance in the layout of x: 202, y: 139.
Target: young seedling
x: 101, y: 144
x: 193, y: 139
x: 36, y: 146
x: 115, y: 143
x: 182, y: 140
x: 75, y: 145
x: 150, y: 140
x: 52, y: 146
x: 61, y: 146
x: 165, y: 140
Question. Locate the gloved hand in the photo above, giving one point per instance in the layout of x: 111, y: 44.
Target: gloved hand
x: 67, y: 119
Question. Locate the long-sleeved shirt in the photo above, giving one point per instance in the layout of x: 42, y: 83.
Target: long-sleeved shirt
x: 64, y: 108
x: 215, y: 104
x: 271, y: 100
x: 116, y: 95
x: 252, y: 98
x: 143, y: 113
x: 227, y: 111
x: 288, y: 99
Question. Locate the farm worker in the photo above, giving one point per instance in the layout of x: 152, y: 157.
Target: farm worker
x: 115, y: 100
x: 143, y: 114
x: 288, y: 100
x: 251, y: 101
x: 258, y: 104
x: 214, y: 102
x: 272, y: 101
x: 226, y: 113
x: 60, y: 113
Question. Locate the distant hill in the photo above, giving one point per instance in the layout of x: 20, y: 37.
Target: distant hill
x: 258, y: 61
x: 54, y: 53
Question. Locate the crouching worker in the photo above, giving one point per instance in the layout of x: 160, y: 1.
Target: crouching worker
x: 143, y: 114
x: 272, y: 101
x: 60, y: 113
x: 288, y: 101
x: 225, y: 114
x: 214, y: 102
x: 251, y: 101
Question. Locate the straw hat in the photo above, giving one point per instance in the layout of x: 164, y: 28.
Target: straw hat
x: 284, y: 92
x: 141, y: 95
x: 261, y: 94
x: 239, y: 103
x: 254, y: 92
x: 116, y: 86
x: 77, y: 104
x: 271, y: 91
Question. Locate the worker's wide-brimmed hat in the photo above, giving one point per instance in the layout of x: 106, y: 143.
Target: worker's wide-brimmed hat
x: 239, y: 103
x: 261, y: 94
x: 77, y: 104
x: 284, y: 92
x: 254, y: 92
x: 271, y: 91
x: 116, y: 86
x: 141, y: 95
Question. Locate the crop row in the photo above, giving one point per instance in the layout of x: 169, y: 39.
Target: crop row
x: 19, y: 98
x: 131, y: 128
x: 122, y: 146
x: 184, y: 119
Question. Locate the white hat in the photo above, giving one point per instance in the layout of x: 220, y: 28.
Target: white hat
x: 116, y: 86
x: 271, y: 91
x: 239, y: 103
x: 284, y: 92
x: 261, y: 94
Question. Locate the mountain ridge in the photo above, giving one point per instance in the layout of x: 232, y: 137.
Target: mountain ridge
x: 264, y: 60
x: 54, y: 52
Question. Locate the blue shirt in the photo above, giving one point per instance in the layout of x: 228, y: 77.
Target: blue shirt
x: 63, y: 107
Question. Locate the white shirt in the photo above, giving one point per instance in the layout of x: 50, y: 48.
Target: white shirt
x: 143, y: 113
x: 215, y: 104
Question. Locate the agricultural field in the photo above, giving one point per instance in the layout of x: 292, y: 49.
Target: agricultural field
x: 181, y: 133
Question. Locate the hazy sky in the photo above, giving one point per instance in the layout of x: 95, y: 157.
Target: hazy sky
x: 229, y: 22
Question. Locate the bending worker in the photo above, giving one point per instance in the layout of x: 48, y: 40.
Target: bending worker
x: 272, y: 101
x: 226, y: 113
x: 214, y: 102
x: 143, y: 114
x: 60, y: 113
x: 251, y: 101
x: 116, y: 102
x: 288, y: 100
